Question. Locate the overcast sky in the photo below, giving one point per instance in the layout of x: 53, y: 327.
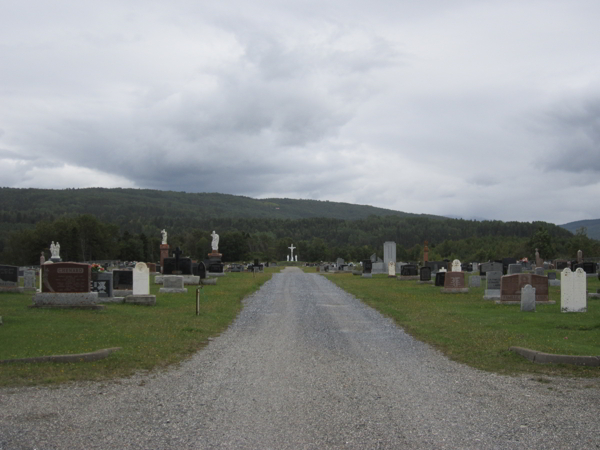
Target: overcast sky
x: 475, y: 109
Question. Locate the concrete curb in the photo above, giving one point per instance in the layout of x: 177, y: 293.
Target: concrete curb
x: 545, y: 358
x: 81, y: 357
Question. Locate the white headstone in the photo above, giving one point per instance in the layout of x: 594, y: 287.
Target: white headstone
x: 141, y: 279
x: 443, y: 269
x: 528, y: 298
x: 296, y: 256
x: 288, y: 257
x: 389, y: 252
x: 392, y: 269
x: 456, y: 266
x: 573, y: 296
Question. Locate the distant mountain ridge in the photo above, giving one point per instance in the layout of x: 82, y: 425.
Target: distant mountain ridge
x: 109, y: 204
x: 593, y: 227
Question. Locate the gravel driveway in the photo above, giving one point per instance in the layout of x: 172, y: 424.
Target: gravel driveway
x: 307, y: 366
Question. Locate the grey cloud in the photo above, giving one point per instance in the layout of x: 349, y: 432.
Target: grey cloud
x: 574, y: 127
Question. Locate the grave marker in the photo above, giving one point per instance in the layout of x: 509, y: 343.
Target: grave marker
x: 511, y: 285
x: 528, y: 298
x: 573, y: 295
x: 492, y: 291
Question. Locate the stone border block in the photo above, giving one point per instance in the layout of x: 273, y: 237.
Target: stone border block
x: 547, y: 358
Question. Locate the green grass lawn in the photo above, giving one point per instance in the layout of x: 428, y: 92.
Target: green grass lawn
x: 478, y: 332
x: 150, y: 337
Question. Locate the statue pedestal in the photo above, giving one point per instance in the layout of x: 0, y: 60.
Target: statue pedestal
x: 164, y: 253
x: 215, y: 265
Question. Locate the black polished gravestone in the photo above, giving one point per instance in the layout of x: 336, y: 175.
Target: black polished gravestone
x: 466, y: 267
x: 507, y: 262
x: 9, y: 276
x: 123, y: 279
x: 170, y: 266
x: 440, y: 278
x: 367, y: 266
x: 589, y: 267
x: 425, y: 274
x: 409, y: 270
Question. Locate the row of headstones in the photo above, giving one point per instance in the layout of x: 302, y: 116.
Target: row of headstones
x: 68, y: 277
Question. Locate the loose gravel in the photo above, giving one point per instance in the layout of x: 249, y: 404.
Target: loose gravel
x: 307, y: 366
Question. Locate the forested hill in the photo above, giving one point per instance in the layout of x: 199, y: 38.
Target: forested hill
x: 592, y: 227
x: 120, y: 206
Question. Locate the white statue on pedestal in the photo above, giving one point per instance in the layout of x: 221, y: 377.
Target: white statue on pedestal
x: 215, y: 241
x: 288, y: 257
x: 55, y: 250
x: 164, y: 236
x: 296, y: 258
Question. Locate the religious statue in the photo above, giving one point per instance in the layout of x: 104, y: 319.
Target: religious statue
x: 55, y: 250
x: 164, y: 236
x: 215, y: 241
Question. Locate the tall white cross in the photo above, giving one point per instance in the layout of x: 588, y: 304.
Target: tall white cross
x: 292, y: 248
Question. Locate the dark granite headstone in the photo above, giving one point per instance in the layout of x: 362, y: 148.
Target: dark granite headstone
x: 202, y: 269
x: 466, y: 267
x: 367, y: 266
x: 561, y: 264
x: 511, y: 285
x: 66, y: 277
x: 505, y: 263
x: 551, y: 275
x: 425, y: 274
x: 409, y: 270
x: 9, y: 276
x: 170, y: 266
x: 102, y: 283
x: 589, y: 267
x: 440, y: 278
x: 123, y: 279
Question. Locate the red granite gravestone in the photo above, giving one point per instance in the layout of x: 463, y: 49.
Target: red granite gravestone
x: 454, y: 280
x: 151, y: 267
x: 66, y: 277
x: 511, y: 285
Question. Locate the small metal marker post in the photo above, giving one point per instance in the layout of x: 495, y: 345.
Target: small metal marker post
x: 198, y: 290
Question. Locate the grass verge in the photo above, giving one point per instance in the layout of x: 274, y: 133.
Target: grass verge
x: 150, y: 337
x: 478, y: 332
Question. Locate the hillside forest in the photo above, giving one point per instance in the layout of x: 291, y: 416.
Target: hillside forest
x: 87, y: 238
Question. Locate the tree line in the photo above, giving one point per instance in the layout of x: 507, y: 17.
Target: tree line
x: 87, y: 238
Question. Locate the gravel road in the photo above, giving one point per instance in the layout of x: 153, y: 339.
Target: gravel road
x: 307, y: 366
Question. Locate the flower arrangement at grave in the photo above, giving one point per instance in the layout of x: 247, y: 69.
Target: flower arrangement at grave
x: 96, y: 268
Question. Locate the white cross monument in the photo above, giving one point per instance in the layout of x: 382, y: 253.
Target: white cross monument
x: 292, y: 248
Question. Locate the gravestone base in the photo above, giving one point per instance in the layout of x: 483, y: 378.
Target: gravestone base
x: 408, y: 277
x: 491, y: 294
x: 208, y: 281
x: 215, y: 274
x: 553, y: 282
x: 367, y: 275
x: 14, y: 290
x: 172, y: 290
x: 111, y: 300
x: 425, y: 282
x: 591, y: 275
x: 122, y: 292
x: 454, y: 290
x: 65, y: 299
x: 356, y: 272
x: 146, y: 300
x: 187, y: 279
x: 500, y: 302
x: 592, y: 295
